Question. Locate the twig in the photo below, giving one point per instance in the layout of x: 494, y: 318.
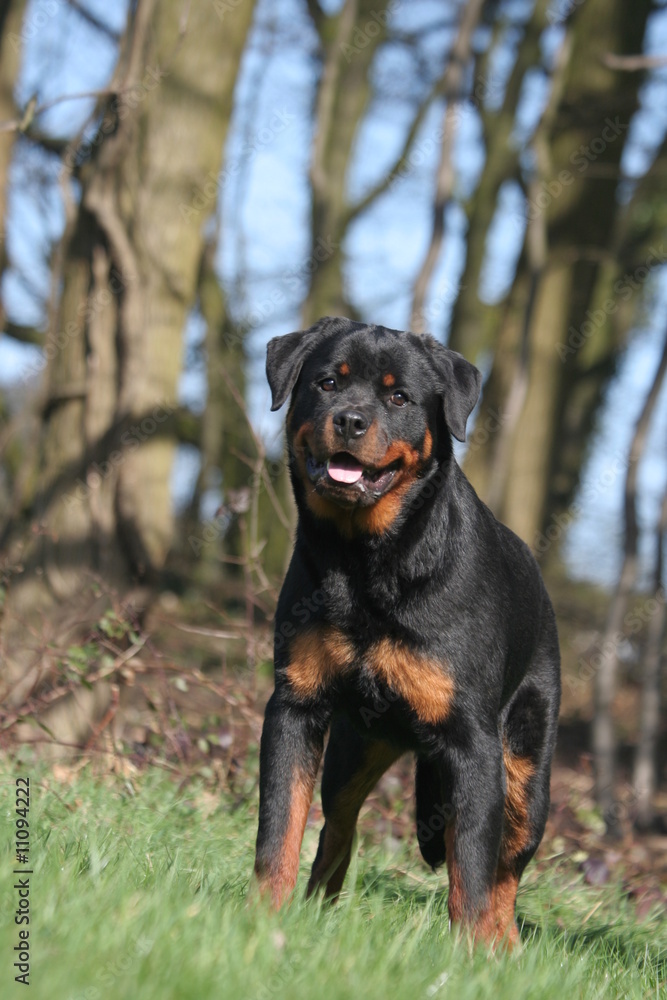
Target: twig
x: 631, y: 64
x: 214, y: 633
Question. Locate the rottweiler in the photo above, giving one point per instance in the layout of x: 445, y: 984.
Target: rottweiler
x: 410, y: 619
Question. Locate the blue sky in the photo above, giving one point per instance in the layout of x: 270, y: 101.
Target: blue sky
x: 265, y: 216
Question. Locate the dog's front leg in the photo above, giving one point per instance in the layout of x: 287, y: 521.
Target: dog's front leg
x: 291, y: 749
x: 472, y: 840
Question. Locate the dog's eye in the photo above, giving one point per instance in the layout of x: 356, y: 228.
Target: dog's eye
x: 328, y: 384
x: 398, y: 399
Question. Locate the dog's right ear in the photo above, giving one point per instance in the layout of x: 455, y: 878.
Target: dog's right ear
x: 285, y: 357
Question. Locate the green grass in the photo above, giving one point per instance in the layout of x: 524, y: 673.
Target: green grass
x: 139, y: 891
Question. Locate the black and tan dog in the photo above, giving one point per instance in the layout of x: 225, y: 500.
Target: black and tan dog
x: 410, y: 620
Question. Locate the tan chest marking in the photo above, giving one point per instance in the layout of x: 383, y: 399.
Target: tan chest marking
x: 317, y: 657
x: 422, y: 682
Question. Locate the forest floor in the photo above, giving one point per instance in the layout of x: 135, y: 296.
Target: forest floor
x: 142, y: 847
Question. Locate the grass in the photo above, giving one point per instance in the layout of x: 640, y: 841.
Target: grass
x: 139, y: 890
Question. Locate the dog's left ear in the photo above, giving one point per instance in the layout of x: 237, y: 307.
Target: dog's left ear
x: 460, y: 385
x: 285, y: 357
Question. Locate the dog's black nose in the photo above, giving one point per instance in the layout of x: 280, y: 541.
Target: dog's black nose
x: 350, y: 424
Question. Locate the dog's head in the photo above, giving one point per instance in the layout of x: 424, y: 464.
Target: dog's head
x: 366, y: 405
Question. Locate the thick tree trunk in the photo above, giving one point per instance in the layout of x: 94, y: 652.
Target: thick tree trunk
x: 129, y: 278
x: 572, y: 336
x: 474, y: 323
x: 11, y: 17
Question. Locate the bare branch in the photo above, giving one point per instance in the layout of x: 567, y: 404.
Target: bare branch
x: 327, y: 95
x: 633, y: 64
x: 93, y: 20
x: 32, y: 110
x: 399, y: 163
x: 24, y: 334
x: 453, y: 79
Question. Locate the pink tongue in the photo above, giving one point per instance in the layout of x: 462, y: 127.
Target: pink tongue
x: 345, y: 469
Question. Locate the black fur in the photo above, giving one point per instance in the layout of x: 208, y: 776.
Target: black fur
x: 394, y: 589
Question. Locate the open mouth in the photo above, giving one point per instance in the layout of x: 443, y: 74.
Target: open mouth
x: 345, y: 473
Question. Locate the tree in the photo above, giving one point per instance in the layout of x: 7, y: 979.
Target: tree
x: 129, y: 265
x: 560, y: 329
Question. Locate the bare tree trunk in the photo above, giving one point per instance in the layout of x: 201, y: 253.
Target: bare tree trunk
x: 576, y: 198
x: 531, y: 385
x: 646, y: 774
x: 129, y: 277
x: 473, y: 325
x: 604, y: 737
x: 343, y: 95
x: 457, y: 61
x: 11, y: 17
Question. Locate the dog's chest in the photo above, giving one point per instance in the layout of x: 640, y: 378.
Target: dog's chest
x: 325, y: 661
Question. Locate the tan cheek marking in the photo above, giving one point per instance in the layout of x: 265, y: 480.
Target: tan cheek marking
x: 377, y: 519
x: 380, y: 516
x: 419, y: 680
x: 428, y: 445
x: 402, y: 450
x: 388, y: 380
x: 516, y: 836
x: 317, y: 657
